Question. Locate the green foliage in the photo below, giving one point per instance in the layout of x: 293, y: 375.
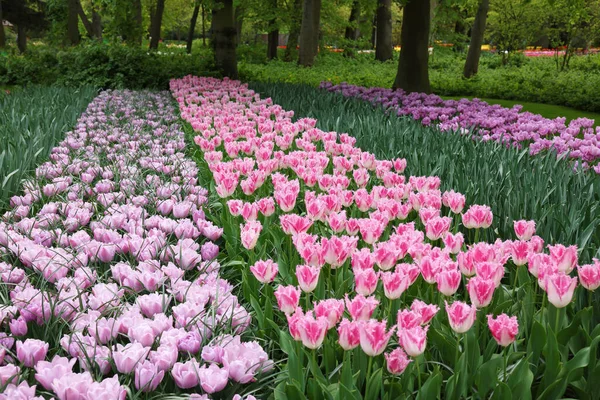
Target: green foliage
x: 32, y: 121
x: 527, y: 79
x: 102, y: 65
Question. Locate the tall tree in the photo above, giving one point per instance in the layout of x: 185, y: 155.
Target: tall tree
x: 472, y: 63
x: 352, y: 28
x: 22, y: 37
x: 90, y: 27
x: 238, y: 18
x: 224, y: 38
x: 73, y: 22
x: 413, y: 68
x: 97, y: 22
x: 193, y: 26
x: 2, y: 36
x: 309, y: 32
x: 156, y: 24
x: 137, y: 18
x: 384, y: 48
x: 273, y: 37
x: 295, y: 23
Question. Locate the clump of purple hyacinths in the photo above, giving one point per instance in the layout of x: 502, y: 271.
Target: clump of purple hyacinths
x: 110, y: 281
x: 577, y: 140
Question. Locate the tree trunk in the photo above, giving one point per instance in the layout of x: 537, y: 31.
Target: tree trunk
x: 292, y: 42
x: 2, y: 35
x: 384, y: 48
x: 352, y: 28
x: 22, y: 38
x: 273, y: 38
x: 413, y: 73
x: 86, y: 22
x: 472, y: 63
x: 238, y: 16
x: 192, y: 27
x: 73, y: 23
x: 374, y: 31
x: 137, y: 10
x: 203, y: 26
x: 156, y: 24
x: 225, y: 38
x: 309, y: 32
x: 97, y: 24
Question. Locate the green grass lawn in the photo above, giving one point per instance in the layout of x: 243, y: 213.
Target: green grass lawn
x: 545, y: 110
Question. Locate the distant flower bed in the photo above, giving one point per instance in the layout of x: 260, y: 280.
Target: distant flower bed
x: 510, y: 126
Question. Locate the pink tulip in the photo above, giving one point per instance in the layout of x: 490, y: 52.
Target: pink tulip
x: 361, y: 308
x: 331, y: 309
x: 374, y: 336
x: 72, y: 386
x: 564, y: 257
x: 413, y: 340
x: 524, y: 229
x: 461, y: 316
x: 308, y: 277
x: 448, y: 281
x: 437, y: 227
x: 560, y: 288
x: 454, y: 201
x: 47, y: 371
x: 519, y: 252
x: 213, y: 378
x: 385, y: 255
x: 250, y: 231
x: 397, y: 361
x: 294, y: 323
x: 293, y: 224
x: 147, y: 376
x: 265, y: 271
x: 312, y: 331
x: 365, y: 281
x: 18, y: 326
x: 589, y: 275
x: 453, y: 243
x: 186, y: 374
x: 481, y: 291
x: 349, y: 334
x: 394, y: 284
x: 287, y: 298
x: 477, y: 217
x: 235, y: 206
x: 503, y: 328
x: 31, y: 351
x: 266, y: 206
x: 126, y: 357
x: 490, y: 270
x: 9, y: 374
x: 466, y: 263
x: 425, y: 311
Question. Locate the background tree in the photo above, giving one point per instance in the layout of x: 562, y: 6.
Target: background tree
x: 413, y: 66
x: 352, y: 30
x: 384, y: 48
x: 309, y: 32
x: 73, y: 22
x: 193, y: 21
x: 472, y: 62
x: 155, y: 25
x: 2, y: 34
x: 224, y: 38
x: 295, y: 12
x: 273, y: 37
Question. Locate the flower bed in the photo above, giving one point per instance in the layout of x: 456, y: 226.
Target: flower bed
x: 110, y: 267
x: 364, y: 258
x: 577, y: 140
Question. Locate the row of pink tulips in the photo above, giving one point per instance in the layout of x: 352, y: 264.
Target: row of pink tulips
x: 352, y: 217
x: 109, y: 273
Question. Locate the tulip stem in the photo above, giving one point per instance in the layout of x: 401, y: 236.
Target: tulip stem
x: 370, y: 365
x: 418, y: 367
x: 505, y: 363
x: 557, y: 322
x: 457, y: 352
x: 516, y: 281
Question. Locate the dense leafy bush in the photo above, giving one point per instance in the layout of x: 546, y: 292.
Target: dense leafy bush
x: 102, y: 65
x: 526, y: 79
